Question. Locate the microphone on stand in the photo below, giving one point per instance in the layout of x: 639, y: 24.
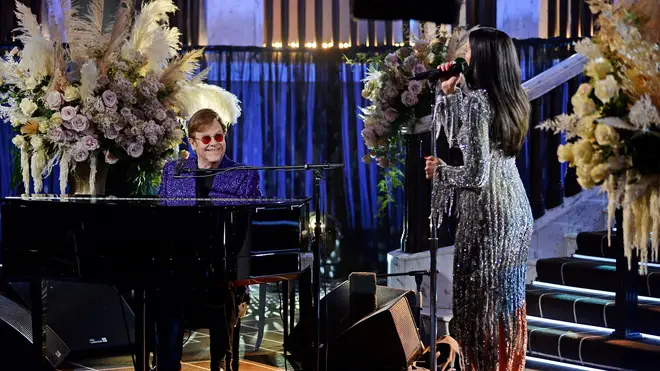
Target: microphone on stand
x: 456, y: 69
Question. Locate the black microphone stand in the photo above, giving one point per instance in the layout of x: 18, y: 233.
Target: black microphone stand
x: 316, y: 170
x: 433, y: 245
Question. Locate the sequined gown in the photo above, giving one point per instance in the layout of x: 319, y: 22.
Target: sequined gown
x: 492, y: 238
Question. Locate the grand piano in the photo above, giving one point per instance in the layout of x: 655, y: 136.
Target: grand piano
x: 144, y: 244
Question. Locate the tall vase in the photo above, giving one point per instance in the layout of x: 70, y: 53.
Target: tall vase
x: 79, y: 179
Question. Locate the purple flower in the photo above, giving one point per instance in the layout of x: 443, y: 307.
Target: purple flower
x: 119, y: 125
x: 89, y: 142
x: 54, y: 100
x: 68, y: 113
x: 381, y: 128
x: 111, y: 132
x: 415, y: 87
x: 139, y: 114
x: 110, y: 158
x: 103, y: 81
x: 392, y: 60
x: 369, y: 136
x: 79, y: 123
x: 169, y: 124
x: 109, y: 98
x: 391, y: 114
x: 67, y: 125
x: 136, y: 130
x: 383, y: 162
x: 135, y: 149
x: 56, y: 135
x: 410, y: 62
x: 418, y: 68
x: 160, y: 115
x: 70, y: 135
x: 80, y: 154
x: 409, y: 99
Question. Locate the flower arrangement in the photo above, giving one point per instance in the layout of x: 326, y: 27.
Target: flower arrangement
x: 398, y: 102
x: 85, y: 96
x: 615, y: 124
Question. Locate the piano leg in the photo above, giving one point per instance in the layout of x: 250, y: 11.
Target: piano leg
x: 39, y: 298
x: 306, y: 313
x: 236, y: 344
x: 285, y: 309
x: 142, y: 359
x: 292, y: 304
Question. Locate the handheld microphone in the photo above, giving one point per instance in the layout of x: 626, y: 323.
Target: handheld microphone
x: 455, y: 70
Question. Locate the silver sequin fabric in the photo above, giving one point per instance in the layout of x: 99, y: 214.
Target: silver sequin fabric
x: 494, y: 232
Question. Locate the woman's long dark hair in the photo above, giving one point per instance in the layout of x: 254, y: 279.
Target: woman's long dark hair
x: 494, y: 67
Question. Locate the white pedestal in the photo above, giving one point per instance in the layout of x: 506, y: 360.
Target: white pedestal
x: 400, y: 262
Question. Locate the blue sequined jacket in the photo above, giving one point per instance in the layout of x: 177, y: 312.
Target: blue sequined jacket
x: 230, y: 184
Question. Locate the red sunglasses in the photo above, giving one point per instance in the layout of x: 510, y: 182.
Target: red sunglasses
x: 206, y: 139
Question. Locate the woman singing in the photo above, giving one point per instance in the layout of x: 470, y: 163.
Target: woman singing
x: 488, y: 121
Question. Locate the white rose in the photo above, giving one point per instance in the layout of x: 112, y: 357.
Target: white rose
x: 607, y: 89
x: 599, y: 173
x: 582, y: 105
x: 71, y: 93
x: 584, y: 89
x: 565, y: 153
x: 31, y: 83
x: 587, y: 48
x: 606, y: 135
x: 43, y: 127
x: 28, y: 107
x: 36, y: 142
x: 18, y: 141
x: 599, y: 68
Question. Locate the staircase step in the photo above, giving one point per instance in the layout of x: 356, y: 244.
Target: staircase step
x: 543, y: 364
x: 593, y: 309
x: 590, y: 346
x: 596, y: 275
x: 596, y: 244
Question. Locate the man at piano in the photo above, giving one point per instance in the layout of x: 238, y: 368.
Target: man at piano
x: 181, y: 179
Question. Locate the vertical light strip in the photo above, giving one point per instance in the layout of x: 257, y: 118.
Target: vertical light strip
x: 277, y: 23
x: 294, y: 35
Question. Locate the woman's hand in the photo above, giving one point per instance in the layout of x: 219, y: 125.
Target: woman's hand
x: 449, y: 85
x: 431, y: 164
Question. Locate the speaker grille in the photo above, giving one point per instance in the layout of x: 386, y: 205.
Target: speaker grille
x: 405, y: 327
x: 16, y: 316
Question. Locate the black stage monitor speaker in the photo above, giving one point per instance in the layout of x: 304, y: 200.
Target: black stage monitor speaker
x: 438, y: 11
x: 387, y: 339
x: 336, y: 317
x: 81, y: 319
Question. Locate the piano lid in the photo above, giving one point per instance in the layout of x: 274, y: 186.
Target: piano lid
x: 157, y: 201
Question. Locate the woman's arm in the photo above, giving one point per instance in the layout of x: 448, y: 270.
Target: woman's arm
x: 476, y: 118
